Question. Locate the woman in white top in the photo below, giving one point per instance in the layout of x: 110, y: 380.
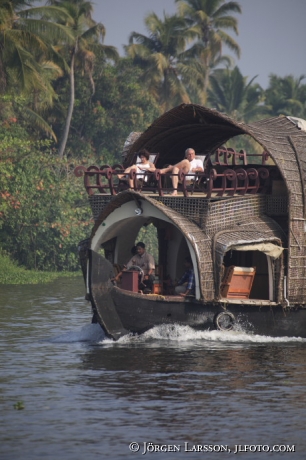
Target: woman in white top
x: 140, y: 168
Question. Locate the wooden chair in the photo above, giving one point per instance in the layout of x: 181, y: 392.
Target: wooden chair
x: 237, y: 282
x: 139, y: 183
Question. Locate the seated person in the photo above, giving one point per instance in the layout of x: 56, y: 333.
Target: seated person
x: 139, y: 168
x: 189, y: 165
x: 146, y: 262
x: 186, y: 285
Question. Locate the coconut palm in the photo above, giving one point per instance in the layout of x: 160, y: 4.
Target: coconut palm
x: 87, y: 41
x: 286, y: 96
x: 162, y: 56
x: 230, y: 92
x: 26, y: 66
x: 208, y: 20
x: 25, y: 44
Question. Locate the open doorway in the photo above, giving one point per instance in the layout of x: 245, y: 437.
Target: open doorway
x: 262, y: 283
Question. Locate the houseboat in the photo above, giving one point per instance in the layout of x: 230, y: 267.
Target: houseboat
x: 241, y: 220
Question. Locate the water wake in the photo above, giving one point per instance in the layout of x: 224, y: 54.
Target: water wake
x: 186, y: 333
x: 172, y: 333
x: 176, y: 333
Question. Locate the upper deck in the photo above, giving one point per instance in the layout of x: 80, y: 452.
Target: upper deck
x: 226, y: 173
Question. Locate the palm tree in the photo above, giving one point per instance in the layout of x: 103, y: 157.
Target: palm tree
x: 25, y: 44
x: 162, y: 56
x: 229, y: 92
x: 286, y: 96
x: 26, y: 66
x: 87, y: 37
x: 208, y: 20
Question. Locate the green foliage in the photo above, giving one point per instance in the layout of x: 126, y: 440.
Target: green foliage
x: 286, y: 96
x: 101, y: 124
x: 19, y: 405
x: 12, y: 273
x: 208, y: 20
x: 161, y: 56
x: 120, y: 105
x: 230, y: 93
x: 43, y: 208
x: 148, y: 235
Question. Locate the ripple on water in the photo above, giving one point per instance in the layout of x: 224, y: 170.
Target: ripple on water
x: 85, y: 395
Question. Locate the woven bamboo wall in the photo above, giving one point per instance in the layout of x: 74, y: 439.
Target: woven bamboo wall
x: 287, y: 145
x: 210, y: 214
x: 98, y: 203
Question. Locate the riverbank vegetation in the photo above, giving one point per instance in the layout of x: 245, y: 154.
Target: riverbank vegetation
x: 67, y: 99
x: 12, y: 273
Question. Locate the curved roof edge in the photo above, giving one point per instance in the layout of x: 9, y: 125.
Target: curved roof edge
x: 187, y: 125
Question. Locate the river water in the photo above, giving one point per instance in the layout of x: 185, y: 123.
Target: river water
x: 66, y: 392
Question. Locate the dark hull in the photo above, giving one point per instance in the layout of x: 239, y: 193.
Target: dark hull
x: 139, y: 313
x: 120, y: 312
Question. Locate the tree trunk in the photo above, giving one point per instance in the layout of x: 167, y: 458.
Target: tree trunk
x: 63, y: 143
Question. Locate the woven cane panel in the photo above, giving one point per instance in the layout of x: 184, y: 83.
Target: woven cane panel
x: 276, y: 205
x: 193, y: 208
x: 98, y: 203
x: 299, y: 144
x: 197, y: 209
x: 287, y: 145
x: 225, y: 213
x: 206, y: 268
x: 297, y: 263
x: 296, y: 208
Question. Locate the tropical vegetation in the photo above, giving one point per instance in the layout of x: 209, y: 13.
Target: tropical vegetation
x: 231, y: 93
x: 66, y: 98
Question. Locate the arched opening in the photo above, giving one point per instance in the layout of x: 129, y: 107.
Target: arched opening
x: 164, y: 239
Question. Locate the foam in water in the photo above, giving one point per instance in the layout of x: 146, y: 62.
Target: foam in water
x: 177, y: 333
x: 170, y: 332
x: 186, y: 333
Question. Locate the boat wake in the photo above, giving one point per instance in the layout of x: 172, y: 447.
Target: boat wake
x: 173, y: 333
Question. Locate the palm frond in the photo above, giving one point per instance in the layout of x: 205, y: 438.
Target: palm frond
x: 38, y: 122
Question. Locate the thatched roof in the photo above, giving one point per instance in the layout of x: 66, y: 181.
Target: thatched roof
x: 191, y: 125
x: 187, y: 125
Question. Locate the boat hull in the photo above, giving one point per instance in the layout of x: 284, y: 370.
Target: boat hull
x: 120, y: 312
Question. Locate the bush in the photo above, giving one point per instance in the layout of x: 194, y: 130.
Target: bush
x: 11, y: 273
x: 43, y: 209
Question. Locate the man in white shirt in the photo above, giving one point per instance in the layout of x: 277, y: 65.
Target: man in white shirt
x: 189, y: 165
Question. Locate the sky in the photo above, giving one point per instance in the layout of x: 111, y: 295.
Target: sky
x: 272, y: 33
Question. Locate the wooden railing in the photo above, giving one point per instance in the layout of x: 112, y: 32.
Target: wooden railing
x: 229, y: 157
x: 229, y: 182
x: 226, y: 173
